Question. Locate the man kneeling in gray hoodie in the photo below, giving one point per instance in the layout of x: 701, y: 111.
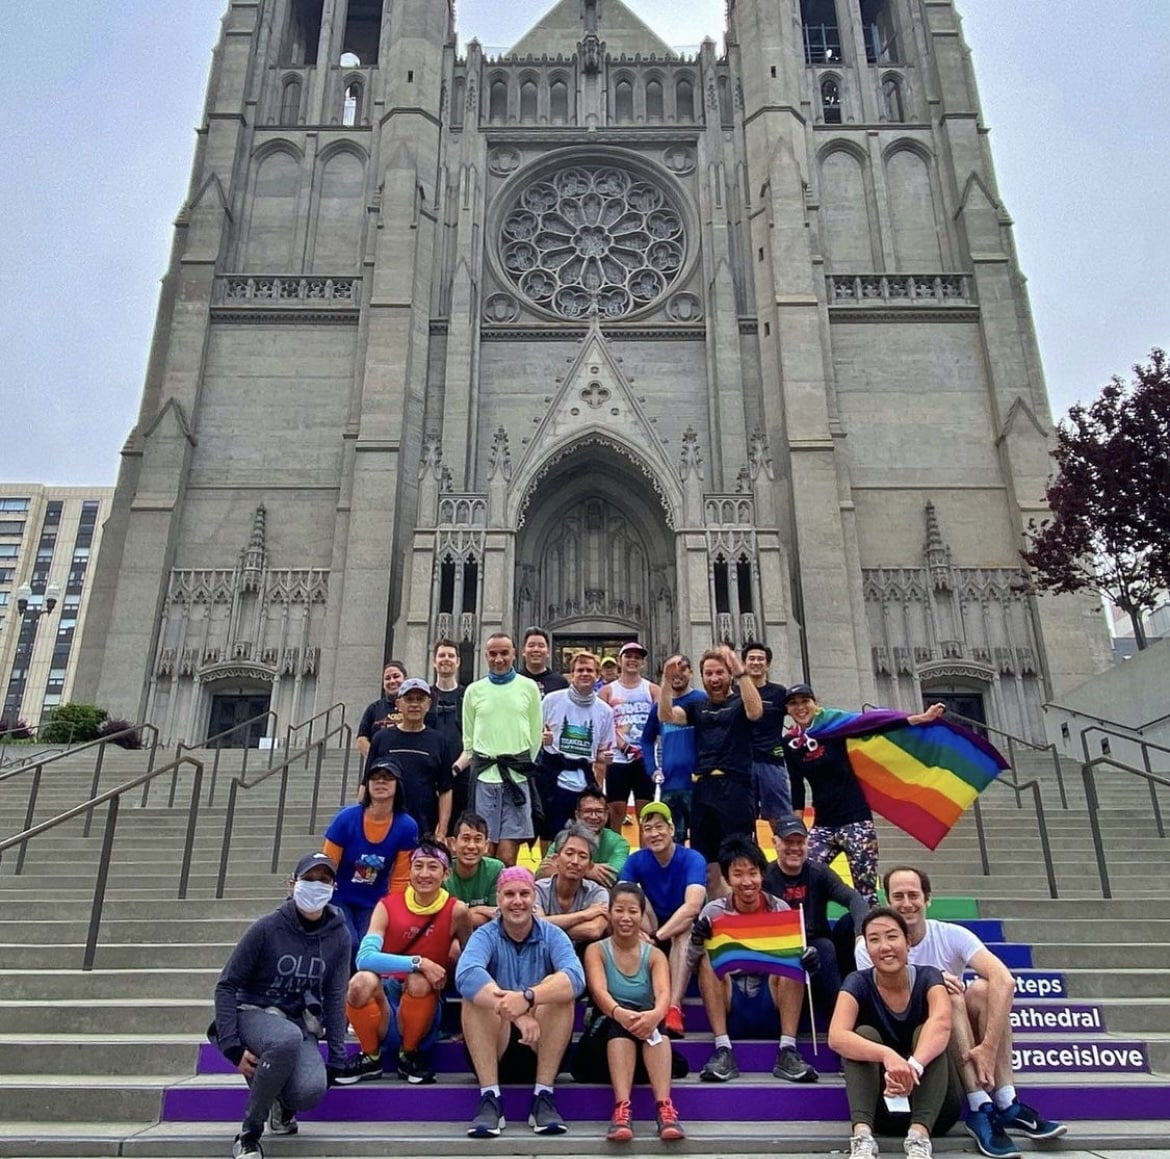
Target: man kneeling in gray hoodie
x: 281, y: 991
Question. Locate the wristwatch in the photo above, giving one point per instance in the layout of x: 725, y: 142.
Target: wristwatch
x: 415, y: 964
x: 530, y: 998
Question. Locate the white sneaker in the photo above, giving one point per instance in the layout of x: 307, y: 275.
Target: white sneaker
x: 863, y: 1146
x: 917, y: 1146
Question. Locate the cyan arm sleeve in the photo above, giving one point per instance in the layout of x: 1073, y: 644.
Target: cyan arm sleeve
x: 370, y: 957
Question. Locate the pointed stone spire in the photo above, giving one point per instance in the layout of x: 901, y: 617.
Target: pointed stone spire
x: 254, y: 557
x: 936, y: 553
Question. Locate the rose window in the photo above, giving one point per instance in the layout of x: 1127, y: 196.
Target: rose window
x: 592, y: 236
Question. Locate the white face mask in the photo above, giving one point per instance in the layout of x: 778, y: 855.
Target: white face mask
x: 312, y: 896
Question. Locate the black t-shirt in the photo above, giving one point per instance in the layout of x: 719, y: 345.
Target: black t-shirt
x: 836, y: 795
x: 547, y: 681
x: 723, y: 736
x: 811, y: 890
x: 896, y: 1030
x: 446, y: 715
x: 426, y: 760
x: 381, y: 714
x: 768, y: 731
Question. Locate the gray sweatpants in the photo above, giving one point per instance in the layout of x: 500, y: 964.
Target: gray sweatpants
x: 290, y: 1068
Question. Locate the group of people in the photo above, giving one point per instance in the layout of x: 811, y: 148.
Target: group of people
x: 417, y: 893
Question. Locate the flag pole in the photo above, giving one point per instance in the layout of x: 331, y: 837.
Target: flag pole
x: 812, y: 1023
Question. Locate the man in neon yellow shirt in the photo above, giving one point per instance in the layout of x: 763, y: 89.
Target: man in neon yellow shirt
x: 501, y: 735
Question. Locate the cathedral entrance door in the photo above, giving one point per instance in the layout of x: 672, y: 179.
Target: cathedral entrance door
x: 229, y: 711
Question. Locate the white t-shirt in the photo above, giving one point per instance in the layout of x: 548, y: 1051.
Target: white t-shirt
x: 946, y: 946
x: 578, y: 732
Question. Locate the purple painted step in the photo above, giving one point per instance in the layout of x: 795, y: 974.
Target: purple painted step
x: 761, y: 1102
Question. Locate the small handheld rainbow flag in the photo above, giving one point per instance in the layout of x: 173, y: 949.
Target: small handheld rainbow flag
x: 920, y: 777
x: 762, y: 943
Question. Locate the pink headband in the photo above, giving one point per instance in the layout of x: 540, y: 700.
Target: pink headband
x: 432, y: 851
x: 515, y: 873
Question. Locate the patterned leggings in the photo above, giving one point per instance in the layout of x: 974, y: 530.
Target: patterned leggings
x: 858, y: 841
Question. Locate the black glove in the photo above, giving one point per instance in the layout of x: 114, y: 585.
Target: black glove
x: 332, y: 1073
x: 701, y: 931
x: 810, y: 960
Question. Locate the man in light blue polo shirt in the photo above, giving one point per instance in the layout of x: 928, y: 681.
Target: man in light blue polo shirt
x: 519, y: 977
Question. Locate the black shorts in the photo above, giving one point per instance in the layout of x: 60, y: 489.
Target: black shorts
x: 721, y: 807
x: 622, y: 778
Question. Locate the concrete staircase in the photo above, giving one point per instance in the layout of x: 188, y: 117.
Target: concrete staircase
x: 113, y: 1061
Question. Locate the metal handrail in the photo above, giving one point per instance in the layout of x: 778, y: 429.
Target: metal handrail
x: 101, y: 740
x: 1088, y: 772
x: 14, y: 764
x: 5, y: 736
x: 210, y: 742
x: 324, y: 714
x: 113, y: 797
x: 1104, y: 719
x: 283, y: 768
x: 1041, y: 828
x: 1145, y: 746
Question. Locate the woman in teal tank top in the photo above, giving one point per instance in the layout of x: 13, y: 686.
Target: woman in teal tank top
x: 629, y: 982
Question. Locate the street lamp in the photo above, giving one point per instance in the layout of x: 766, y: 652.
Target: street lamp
x: 33, y: 611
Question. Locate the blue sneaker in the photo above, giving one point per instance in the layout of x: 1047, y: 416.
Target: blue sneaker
x: 982, y: 1126
x: 1022, y: 1118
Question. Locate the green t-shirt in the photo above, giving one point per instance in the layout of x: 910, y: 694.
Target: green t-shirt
x: 612, y: 849
x: 480, y: 887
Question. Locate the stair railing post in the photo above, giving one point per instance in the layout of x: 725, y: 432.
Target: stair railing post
x: 1155, y: 804
x: 192, y: 823
x: 1059, y: 776
x: 1095, y: 828
x: 99, y: 889
x: 982, y: 839
x: 316, y: 788
x: 93, y: 787
x: 344, y: 771
x: 1045, y: 844
x: 214, y: 777
x: 34, y: 792
x: 225, y: 848
x: 280, y: 817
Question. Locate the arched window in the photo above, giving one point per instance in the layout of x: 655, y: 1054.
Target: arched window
x: 725, y: 100
x: 290, y: 102
x: 498, y: 103
x: 654, y: 100
x: 624, y: 102
x: 831, y: 100
x: 892, y: 103
x: 684, y: 99
x: 528, y: 101
x: 459, y: 94
x: 351, y: 112
x: 558, y: 95
x: 822, y: 36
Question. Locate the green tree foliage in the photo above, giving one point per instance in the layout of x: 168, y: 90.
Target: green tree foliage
x: 1110, y: 498
x: 72, y: 724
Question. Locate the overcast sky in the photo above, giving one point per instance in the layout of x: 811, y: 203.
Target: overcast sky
x: 101, y: 101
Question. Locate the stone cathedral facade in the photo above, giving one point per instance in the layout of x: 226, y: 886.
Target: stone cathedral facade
x: 592, y: 334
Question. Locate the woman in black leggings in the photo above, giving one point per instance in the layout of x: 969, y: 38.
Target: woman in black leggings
x: 891, y: 1027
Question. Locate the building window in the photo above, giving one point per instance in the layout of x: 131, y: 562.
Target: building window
x: 623, y: 103
x: 559, y: 102
x: 352, y: 109
x: 895, y: 110
x: 831, y: 100
x: 3, y: 599
x: 7, y: 575
x: 498, y: 105
x: 877, y: 23
x: 17, y: 505
x: 290, y: 103
x: 684, y: 99
x: 303, y: 33
x: 363, y: 29
x: 654, y: 100
x: 8, y: 550
x: 822, y: 36
x: 12, y: 527
x: 528, y: 102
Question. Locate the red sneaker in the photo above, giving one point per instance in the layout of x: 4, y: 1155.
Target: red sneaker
x: 673, y: 1022
x: 620, y: 1130
x: 669, y: 1128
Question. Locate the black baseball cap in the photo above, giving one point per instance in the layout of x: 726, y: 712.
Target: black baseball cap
x: 383, y: 765
x: 800, y: 690
x: 789, y: 826
x: 315, y: 861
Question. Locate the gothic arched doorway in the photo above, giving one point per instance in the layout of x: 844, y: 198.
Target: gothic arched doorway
x: 595, y: 560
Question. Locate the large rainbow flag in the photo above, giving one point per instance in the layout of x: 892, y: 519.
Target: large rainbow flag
x: 760, y: 943
x: 919, y: 777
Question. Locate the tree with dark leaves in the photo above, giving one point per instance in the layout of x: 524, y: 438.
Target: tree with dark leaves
x: 1110, y: 498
